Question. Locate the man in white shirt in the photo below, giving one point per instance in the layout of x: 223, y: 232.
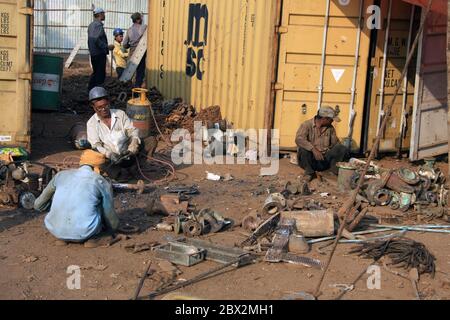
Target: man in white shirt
x: 111, y: 133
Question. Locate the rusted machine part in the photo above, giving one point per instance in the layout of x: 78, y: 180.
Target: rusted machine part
x: 9, y: 194
x: 139, y: 187
x: 274, y: 204
x: 425, y: 183
x: 395, y: 201
x: 397, y: 184
x: 408, y: 176
x: 26, y: 200
x: 345, y: 177
x: 192, y: 228
x: 251, y: 222
x: 431, y: 197
x: 383, y: 197
x: 352, y: 226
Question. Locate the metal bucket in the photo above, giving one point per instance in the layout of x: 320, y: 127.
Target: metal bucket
x: 346, y: 172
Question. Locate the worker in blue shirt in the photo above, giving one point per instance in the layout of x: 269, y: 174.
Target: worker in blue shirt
x: 81, y: 202
x: 98, y: 48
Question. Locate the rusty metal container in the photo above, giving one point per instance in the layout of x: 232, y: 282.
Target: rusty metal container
x: 16, y: 46
x: 318, y: 223
x: 346, y: 172
x: 139, y: 111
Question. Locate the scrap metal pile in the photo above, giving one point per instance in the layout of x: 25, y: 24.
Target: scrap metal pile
x: 400, y: 189
x: 19, y: 186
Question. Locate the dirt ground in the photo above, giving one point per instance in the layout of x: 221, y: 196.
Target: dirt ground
x: 33, y: 266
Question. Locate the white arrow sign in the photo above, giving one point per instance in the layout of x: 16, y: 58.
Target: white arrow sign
x: 337, y: 74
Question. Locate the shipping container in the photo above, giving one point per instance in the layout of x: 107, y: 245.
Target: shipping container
x: 429, y: 129
x: 16, y: 44
x: 272, y: 63
x: 215, y: 52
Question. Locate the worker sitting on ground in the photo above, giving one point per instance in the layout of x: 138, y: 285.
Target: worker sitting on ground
x: 111, y: 132
x: 319, y: 148
x: 81, y: 202
x: 120, y: 53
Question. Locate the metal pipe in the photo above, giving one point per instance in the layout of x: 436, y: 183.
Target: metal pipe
x: 353, y: 233
x: 381, y: 112
x: 355, y: 73
x: 324, y: 53
x: 405, y: 87
x: 414, y: 229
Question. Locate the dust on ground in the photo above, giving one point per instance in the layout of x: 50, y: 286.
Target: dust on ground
x: 33, y: 266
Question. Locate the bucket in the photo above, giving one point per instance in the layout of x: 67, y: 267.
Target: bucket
x: 47, y: 82
x: 139, y: 111
x: 346, y: 172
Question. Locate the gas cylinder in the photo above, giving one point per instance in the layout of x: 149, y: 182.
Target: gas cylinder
x: 139, y: 111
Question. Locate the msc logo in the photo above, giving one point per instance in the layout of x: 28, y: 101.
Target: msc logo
x: 197, y: 39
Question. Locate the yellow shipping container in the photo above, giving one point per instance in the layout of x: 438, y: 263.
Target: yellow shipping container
x: 215, y: 52
x: 16, y: 44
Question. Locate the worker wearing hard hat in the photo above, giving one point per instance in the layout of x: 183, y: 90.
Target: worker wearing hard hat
x: 81, y: 202
x: 319, y: 148
x: 120, y: 53
x: 111, y: 133
x: 131, y: 41
x: 98, y: 48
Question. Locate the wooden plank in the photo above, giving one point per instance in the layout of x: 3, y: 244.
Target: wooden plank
x: 134, y: 61
x: 74, y: 53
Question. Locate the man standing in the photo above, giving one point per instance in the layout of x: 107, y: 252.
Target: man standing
x: 98, y: 48
x: 319, y: 148
x: 81, y: 202
x: 111, y: 132
x: 131, y: 41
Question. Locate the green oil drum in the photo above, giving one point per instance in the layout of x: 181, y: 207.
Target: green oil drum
x: 139, y: 111
x: 47, y: 82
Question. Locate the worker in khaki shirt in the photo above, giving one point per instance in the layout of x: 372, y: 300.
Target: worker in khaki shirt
x: 111, y: 133
x: 319, y: 148
x: 120, y: 53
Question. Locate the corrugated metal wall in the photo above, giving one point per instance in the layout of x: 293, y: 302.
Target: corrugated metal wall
x: 214, y: 52
x: 59, y: 24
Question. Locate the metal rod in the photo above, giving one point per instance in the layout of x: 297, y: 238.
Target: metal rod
x: 416, y: 229
x: 353, y: 233
x: 141, y: 282
x: 403, y: 119
x: 324, y: 54
x: 348, y: 205
x: 355, y: 73
x: 193, y: 280
x: 381, y: 112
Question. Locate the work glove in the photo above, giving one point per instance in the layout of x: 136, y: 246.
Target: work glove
x: 133, y: 148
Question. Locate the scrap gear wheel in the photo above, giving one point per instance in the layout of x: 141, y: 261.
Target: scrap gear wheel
x: 192, y: 228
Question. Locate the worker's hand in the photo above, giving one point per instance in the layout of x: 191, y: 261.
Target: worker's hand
x: 318, y: 155
x: 133, y: 148
x: 114, y: 157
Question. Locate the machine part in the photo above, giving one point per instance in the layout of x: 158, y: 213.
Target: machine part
x: 408, y: 176
x: 221, y: 254
x: 274, y: 204
x: 382, y: 197
x: 312, y: 223
x: 18, y: 174
x: 183, y: 190
x: 252, y: 221
x: 395, y: 201
x: 192, y: 228
x: 178, y: 225
x: 164, y: 227
x: 354, y: 180
x: 372, y: 187
x: 128, y: 229
x: 406, y: 201
x: 425, y: 183
x: 26, y: 200
x: 280, y: 240
x: 298, y: 244
x: 265, y: 229
x: 431, y: 197
x: 304, y: 261
x: 397, y: 184
x: 180, y: 253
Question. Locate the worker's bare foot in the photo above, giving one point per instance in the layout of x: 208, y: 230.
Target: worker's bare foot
x: 98, y: 241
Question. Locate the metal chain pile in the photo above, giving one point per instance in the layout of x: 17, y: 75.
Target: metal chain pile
x: 403, y: 253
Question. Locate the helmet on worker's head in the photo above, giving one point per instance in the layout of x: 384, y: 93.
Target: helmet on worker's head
x: 98, y: 11
x: 98, y: 93
x: 136, y: 16
x: 117, y: 32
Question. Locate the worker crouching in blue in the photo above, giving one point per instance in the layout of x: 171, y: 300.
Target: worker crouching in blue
x: 80, y: 201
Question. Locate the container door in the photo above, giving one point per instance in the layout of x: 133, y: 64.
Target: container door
x: 15, y: 72
x: 318, y: 55
x: 430, y: 136
x: 394, y: 39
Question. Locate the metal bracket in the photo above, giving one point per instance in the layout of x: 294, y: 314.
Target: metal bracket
x: 25, y: 76
x: 281, y: 29
x: 278, y: 86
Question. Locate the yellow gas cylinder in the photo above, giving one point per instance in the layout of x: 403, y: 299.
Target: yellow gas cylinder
x: 139, y: 111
